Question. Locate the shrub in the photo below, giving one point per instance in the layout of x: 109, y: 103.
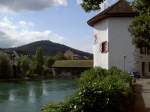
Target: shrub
x: 100, y: 90
x: 91, y: 75
x: 52, y: 107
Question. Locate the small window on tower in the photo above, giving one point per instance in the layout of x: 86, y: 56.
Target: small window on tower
x: 95, y: 39
x: 104, y: 47
x: 145, y: 50
x: 148, y: 50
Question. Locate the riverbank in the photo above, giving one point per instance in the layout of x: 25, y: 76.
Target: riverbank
x: 39, y: 79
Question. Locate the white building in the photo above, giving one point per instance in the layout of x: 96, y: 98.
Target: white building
x: 113, y: 42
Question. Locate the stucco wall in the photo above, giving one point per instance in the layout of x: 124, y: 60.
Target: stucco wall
x: 101, y: 30
x: 121, y: 50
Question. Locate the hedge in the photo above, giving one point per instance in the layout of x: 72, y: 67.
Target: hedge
x: 100, y: 91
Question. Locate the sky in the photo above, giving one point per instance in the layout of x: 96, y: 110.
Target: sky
x: 61, y: 21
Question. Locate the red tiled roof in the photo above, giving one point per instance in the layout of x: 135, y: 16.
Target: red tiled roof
x: 120, y: 9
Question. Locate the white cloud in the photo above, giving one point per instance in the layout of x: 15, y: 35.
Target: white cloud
x: 32, y: 5
x: 15, y: 34
x: 107, y: 3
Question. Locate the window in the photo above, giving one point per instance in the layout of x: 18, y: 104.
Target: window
x: 104, y: 47
x: 149, y: 66
x: 142, y: 50
x: 143, y: 68
x: 148, y: 50
x: 145, y: 50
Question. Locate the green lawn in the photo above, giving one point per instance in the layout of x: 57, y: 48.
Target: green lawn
x: 73, y: 63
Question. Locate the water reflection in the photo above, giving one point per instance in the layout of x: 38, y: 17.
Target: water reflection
x: 44, y: 88
x: 11, y: 95
x: 30, y: 96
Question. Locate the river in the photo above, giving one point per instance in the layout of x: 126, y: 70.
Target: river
x: 30, y: 96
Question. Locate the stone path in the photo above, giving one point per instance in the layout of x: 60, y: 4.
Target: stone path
x: 142, y: 93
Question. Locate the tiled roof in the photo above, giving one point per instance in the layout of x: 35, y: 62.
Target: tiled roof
x: 120, y: 9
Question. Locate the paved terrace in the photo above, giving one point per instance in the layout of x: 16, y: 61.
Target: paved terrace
x: 142, y: 92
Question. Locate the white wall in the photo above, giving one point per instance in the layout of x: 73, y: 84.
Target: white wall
x: 101, y: 30
x: 120, y: 43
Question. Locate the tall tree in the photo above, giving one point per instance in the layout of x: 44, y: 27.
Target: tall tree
x: 5, y: 66
x: 141, y: 6
x: 140, y: 27
x: 25, y: 65
x: 39, y: 61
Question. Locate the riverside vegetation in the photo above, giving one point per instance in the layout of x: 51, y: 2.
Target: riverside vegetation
x: 100, y: 91
x: 25, y: 66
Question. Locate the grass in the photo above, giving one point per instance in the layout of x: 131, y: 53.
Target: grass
x: 73, y: 63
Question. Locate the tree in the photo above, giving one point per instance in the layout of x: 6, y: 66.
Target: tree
x: 5, y: 66
x: 25, y: 65
x: 89, y: 5
x: 39, y: 61
x: 141, y: 6
x: 33, y: 68
x: 50, y: 61
x: 140, y: 30
x: 140, y: 27
x: 39, y: 56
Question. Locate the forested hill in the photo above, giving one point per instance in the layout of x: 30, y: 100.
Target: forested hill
x: 49, y: 48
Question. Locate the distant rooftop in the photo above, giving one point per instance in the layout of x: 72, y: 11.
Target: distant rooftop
x: 120, y: 9
x: 74, y: 63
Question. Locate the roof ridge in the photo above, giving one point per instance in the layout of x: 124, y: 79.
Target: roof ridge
x: 121, y: 8
x: 113, y: 5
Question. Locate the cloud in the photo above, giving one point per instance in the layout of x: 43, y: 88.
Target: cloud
x: 107, y: 3
x: 29, y: 5
x: 14, y: 34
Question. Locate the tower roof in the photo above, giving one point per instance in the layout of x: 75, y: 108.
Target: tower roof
x: 120, y: 9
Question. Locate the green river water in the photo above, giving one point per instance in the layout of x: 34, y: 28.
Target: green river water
x: 29, y: 96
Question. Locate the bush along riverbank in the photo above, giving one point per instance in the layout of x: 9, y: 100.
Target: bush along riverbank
x: 100, y: 91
